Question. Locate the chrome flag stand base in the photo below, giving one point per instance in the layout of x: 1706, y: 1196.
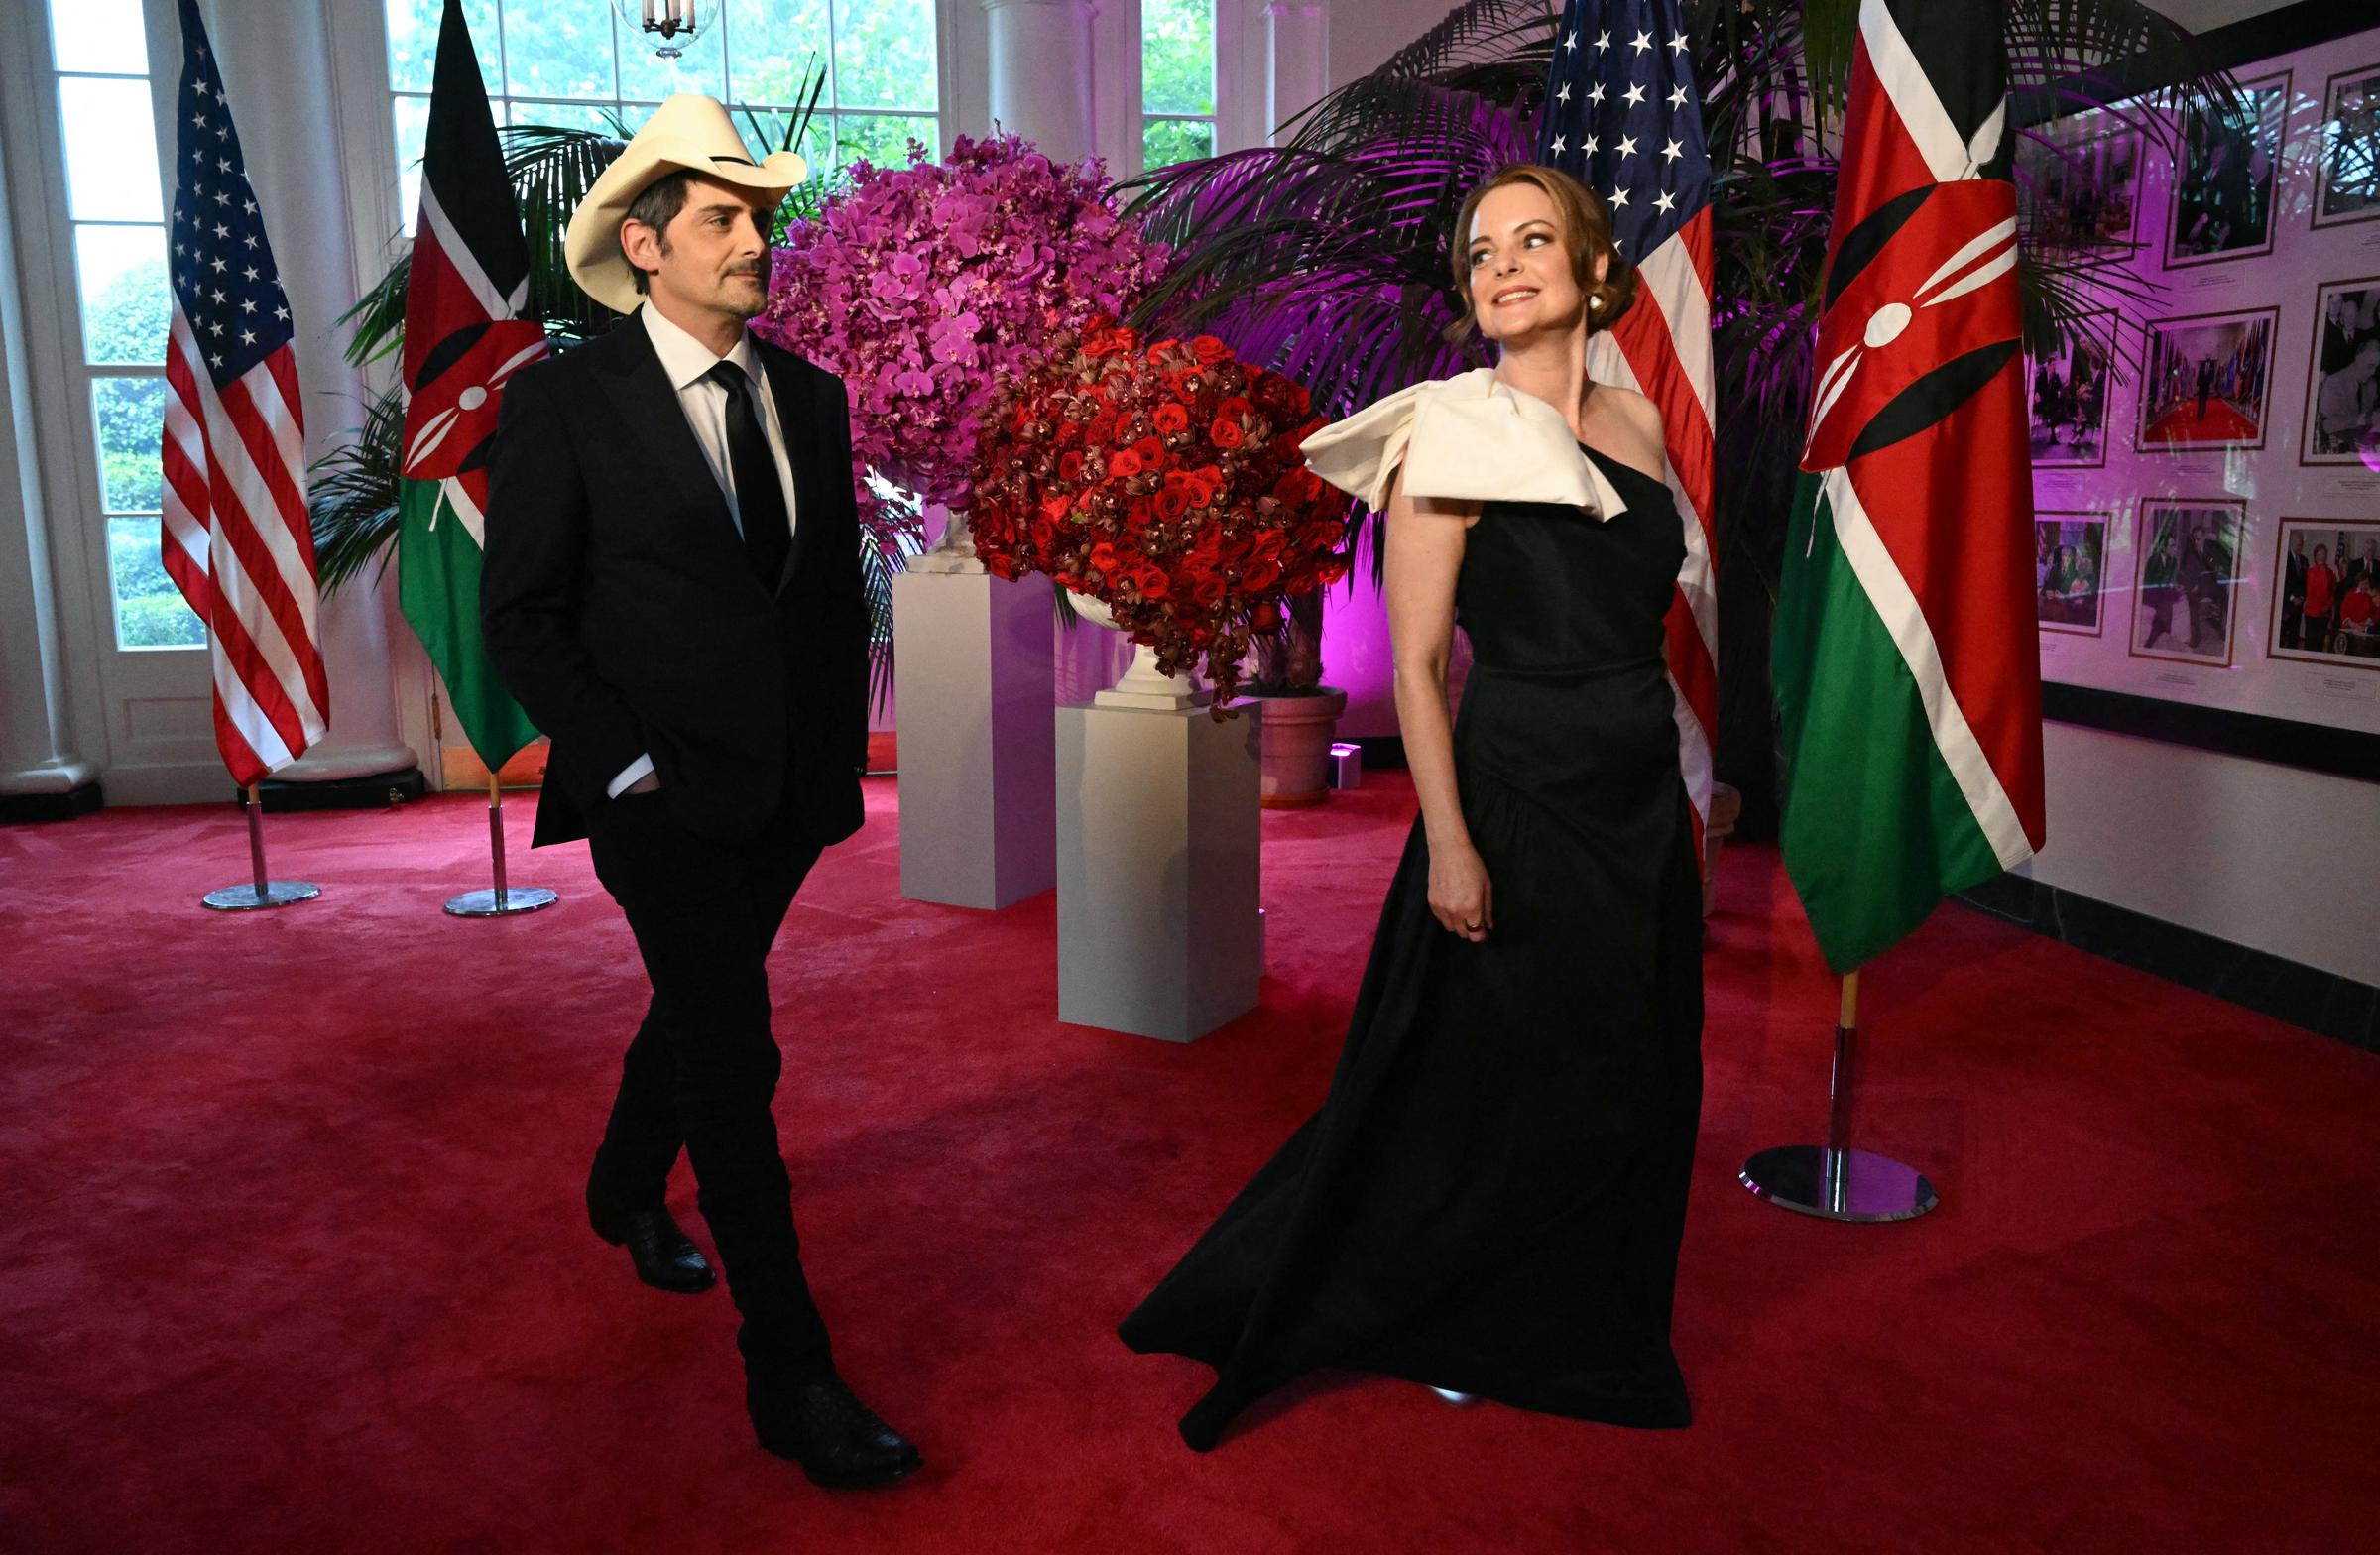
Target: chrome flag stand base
x: 1849, y: 1185
x: 500, y: 903
x: 272, y: 893
x: 1833, y: 1181
x: 505, y: 901
x: 260, y: 891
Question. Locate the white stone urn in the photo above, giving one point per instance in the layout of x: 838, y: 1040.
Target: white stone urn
x: 1143, y: 685
x: 954, y: 552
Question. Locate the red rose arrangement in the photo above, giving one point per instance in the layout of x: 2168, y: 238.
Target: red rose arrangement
x: 1164, y: 482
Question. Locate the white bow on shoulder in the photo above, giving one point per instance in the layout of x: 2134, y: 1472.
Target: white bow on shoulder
x: 1471, y: 437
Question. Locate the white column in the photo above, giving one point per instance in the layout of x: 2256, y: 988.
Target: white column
x: 1041, y: 77
x: 978, y: 754
x: 1297, y: 58
x: 1159, y: 868
x: 279, y: 80
x: 36, y: 749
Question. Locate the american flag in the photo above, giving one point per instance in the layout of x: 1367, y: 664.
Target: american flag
x: 236, y: 537
x: 1622, y: 115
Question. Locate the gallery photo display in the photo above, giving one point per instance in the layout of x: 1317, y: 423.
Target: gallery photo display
x: 2068, y: 412
x: 2327, y: 592
x: 2208, y: 381
x: 2222, y: 206
x: 2078, y: 182
x: 2069, y: 554
x: 2186, y: 558
x: 2346, y: 182
x: 2342, y: 394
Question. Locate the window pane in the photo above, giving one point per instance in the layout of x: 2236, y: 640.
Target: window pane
x: 1177, y: 56
x: 99, y: 35
x: 413, y: 127
x: 883, y: 138
x: 610, y: 118
x: 124, y: 301
x: 129, y: 415
x: 885, y: 55
x: 150, y: 610
x: 644, y: 73
x: 776, y: 44
x: 1166, y: 141
x: 413, y: 42
x: 558, y: 49
x: 111, y: 149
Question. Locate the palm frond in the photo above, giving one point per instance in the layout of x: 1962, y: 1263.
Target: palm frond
x: 551, y: 168
x: 876, y: 582
x: 351, y: 495
x: 377, y: 318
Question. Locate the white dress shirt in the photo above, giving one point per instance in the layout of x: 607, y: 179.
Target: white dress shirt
x: 687, y: 362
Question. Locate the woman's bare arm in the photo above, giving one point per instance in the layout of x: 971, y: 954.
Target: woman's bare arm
x: 1425, y: 542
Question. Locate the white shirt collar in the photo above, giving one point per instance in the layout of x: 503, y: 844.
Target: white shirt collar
x: 686, y: 359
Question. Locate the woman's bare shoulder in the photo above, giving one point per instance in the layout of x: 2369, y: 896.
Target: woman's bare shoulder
x: 1637, y: 429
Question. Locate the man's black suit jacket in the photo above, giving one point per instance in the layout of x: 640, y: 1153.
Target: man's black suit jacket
x: 621, y: 609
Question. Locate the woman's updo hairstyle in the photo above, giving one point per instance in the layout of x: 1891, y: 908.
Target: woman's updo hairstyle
x: 1586, y: 234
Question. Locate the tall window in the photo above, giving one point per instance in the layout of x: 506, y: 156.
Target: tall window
x: 1177, y: 81
x: 575, y: 62
x: 116, y: 212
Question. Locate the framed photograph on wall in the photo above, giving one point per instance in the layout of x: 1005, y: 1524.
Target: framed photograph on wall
x: 2343, y: 391
x: 2207, y: 382
x: 2346, y: 182
x: 2222, y: 206
x: 2070, y: 557
x: 2078, y: 182
x: 2068, y: 395
x: 2185, y: 556
x: 2326, y: 601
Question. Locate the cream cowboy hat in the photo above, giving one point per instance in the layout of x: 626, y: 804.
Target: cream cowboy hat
x: 689, y: 132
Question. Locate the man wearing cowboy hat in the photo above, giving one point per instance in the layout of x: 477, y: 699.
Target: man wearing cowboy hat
x: 671, y: 589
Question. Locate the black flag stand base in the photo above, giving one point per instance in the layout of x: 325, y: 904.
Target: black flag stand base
x: 259, y: 893
x: 1833, y: 1181
x: 505, y: 901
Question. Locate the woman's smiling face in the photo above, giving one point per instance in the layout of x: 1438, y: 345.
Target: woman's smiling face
x: 1523, y: 277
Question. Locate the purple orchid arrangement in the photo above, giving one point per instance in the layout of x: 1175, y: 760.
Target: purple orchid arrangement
x: 926, y: 287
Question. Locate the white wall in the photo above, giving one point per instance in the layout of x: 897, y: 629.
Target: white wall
x: 2273, y: 858
x: 1365, y: 33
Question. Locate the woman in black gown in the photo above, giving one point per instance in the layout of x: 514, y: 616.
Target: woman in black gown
x: 1491, y: 1198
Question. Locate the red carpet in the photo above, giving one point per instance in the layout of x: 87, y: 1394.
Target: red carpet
x: 293, y: 1256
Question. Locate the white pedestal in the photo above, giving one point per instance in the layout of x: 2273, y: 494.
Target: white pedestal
x: 1159, y: 863
x: 971, y: 684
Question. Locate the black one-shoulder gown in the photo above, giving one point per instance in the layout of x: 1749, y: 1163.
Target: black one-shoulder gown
x: 1491, y: 1198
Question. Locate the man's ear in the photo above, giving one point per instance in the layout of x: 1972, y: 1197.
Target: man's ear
x: 642, y: 244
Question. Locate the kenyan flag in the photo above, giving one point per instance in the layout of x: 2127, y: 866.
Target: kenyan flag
x: 463, y: 337
x: 1907, y: 668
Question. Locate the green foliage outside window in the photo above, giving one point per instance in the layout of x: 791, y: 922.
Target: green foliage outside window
x: 150, y: 610
x: 126, y: 322
x: 1177, y: 56
x: 1177, y: 76
x: 1165, y: 142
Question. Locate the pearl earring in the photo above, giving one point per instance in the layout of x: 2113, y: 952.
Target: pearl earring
x: 1594, y: 301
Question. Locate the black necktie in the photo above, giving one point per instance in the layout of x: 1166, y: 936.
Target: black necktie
x: 759, y: 496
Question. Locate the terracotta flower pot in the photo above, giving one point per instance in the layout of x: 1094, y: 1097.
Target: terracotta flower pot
x: 1294, y: 747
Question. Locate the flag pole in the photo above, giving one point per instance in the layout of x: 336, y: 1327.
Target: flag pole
x: 262, y: 890
x: 506, y: 899
x: 1834, y: 1181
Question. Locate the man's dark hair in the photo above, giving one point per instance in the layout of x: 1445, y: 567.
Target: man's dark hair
x: 656, y: 206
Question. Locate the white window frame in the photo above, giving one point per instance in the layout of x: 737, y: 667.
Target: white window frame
x: 505, y: 103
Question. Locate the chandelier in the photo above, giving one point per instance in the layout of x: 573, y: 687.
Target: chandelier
x: 672, y: 21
